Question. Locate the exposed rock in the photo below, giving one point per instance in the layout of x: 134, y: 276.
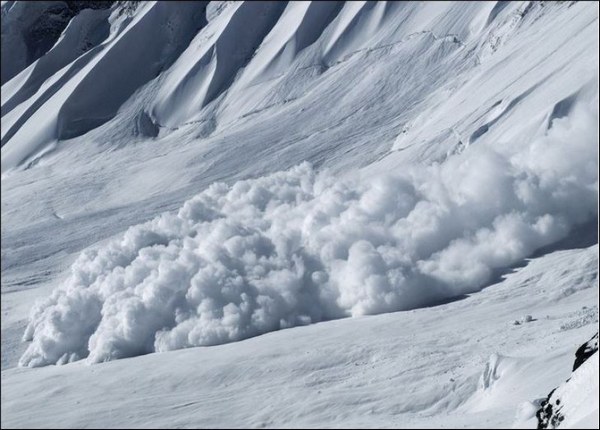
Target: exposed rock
x: 585, y: 351
x: 42, y: 23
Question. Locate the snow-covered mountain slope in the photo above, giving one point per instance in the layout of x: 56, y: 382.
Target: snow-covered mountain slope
x: 395, y: 80
x: 461, y: 364
x: 448, y: 142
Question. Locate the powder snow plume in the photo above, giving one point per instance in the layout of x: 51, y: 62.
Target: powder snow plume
x: 297, y: 247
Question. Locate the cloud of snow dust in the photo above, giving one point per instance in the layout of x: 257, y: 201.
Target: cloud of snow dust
x: 297, y: 247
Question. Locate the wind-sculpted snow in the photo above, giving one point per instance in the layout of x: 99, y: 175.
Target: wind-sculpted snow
x: 297, y: 247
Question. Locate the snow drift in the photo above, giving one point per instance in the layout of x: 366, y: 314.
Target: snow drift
x: 297, y: 247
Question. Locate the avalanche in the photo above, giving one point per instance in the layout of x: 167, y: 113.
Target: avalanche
x: 323, y: 214
x: 295, y: 247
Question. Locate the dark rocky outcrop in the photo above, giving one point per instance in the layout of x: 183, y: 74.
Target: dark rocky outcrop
x: 40, y: 27
x: 585, y: 351
x: 46, y: 30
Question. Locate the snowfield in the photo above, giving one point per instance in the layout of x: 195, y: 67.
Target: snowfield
x: 461, y: 364
x: 321, y: 214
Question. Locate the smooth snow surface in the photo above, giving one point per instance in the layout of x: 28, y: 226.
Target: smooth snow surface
x: 177, y: 174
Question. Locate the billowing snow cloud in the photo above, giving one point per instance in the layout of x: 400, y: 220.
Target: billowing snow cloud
x: 298, y: 247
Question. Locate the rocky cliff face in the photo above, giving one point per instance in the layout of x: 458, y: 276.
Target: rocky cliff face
x: 42, y: 23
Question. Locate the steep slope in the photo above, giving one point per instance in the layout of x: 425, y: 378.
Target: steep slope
x: 92, y: 90
x: 30, y: 29
x: 448, y: 142
x: 400, y: 88
x: 289, y: 64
